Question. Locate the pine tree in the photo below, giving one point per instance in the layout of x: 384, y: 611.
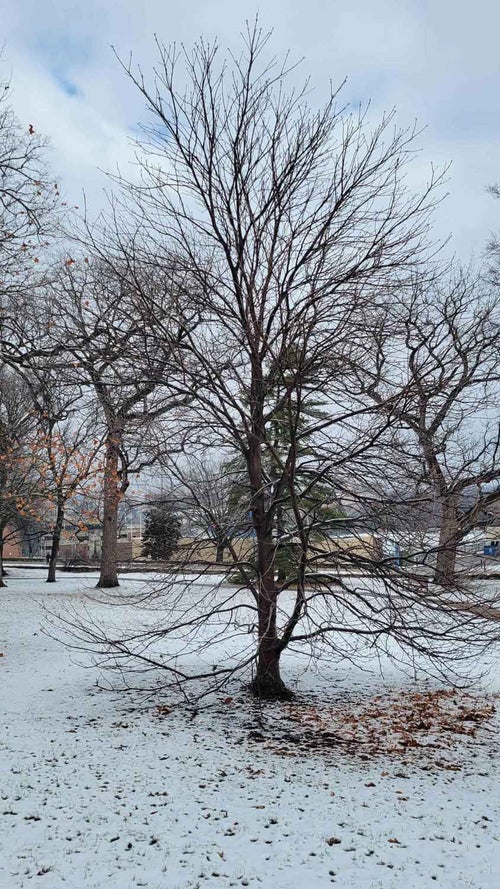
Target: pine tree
x: 162, y: 532
x: 291, y: 415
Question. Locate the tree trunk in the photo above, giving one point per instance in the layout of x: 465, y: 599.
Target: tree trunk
x: 449, y: 538
x: 267, y: 682
x: 56, y: 540
x: 2, y: 570
x: 112, y: 495
x: 219, y: 553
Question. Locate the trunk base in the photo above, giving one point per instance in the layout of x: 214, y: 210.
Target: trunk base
x: 106, y: 584
x: 270, y: 688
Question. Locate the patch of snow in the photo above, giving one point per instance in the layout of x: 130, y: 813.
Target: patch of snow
x: 101, y: 790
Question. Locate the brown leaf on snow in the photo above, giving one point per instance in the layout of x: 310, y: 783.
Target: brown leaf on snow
x: 162, y: 710
x: 396, y: 723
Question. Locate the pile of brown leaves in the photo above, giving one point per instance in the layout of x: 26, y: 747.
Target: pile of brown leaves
x: 386, y: 724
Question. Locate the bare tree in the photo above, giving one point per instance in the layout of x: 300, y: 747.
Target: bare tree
x: 211, y: 496
x: 17, y: 481
x: 112, y: 351
x: 492, y: 254
x: 29, y: 216
x: 65, y: 446
x: 439, y: 373
x: 297, y: 230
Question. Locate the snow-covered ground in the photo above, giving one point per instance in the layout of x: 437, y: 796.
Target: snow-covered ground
x: 100, y: 789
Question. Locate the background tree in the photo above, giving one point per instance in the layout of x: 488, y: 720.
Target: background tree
x: 29, y: 217
x: 492, y: 254
x: 18, y: 490
x: 212, y: 498
x: 314, y: 497
x: 161, y: 532
x: 104, y: 333
x: 440, y: 383
x: 65, y: 447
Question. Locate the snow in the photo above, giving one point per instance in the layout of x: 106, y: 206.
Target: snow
x: 98, y: 788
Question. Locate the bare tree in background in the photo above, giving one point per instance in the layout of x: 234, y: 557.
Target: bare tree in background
x: 66, y: 448
x: 29, y: 215
x: 109, y: 346
x: 492, y: 270
x: 211, y: 497
x: 17, y: 479
x: 439, y: 374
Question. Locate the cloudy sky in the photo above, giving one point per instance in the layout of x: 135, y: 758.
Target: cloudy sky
x: 434, y: 60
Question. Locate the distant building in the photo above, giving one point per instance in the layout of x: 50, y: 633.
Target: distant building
x: 13, y: 543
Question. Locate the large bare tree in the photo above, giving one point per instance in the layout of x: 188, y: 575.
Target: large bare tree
x: 297, y: 230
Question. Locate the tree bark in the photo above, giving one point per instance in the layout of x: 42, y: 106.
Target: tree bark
x: 3, y: 573
x: 449, y: 538
x: 267, y: 682
x: 113, y: 492
x: 56, y: 540
x: 219, y: 552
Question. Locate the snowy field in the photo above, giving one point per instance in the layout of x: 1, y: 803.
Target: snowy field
x: 102, y: 790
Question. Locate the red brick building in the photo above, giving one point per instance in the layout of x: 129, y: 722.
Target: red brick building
x: 12, y: 547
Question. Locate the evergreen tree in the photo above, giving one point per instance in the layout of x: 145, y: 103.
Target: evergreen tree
x: 162, y: 532
x: 293, y: 409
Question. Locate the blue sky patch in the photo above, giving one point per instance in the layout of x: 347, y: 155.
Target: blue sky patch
x: 66, y: 85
